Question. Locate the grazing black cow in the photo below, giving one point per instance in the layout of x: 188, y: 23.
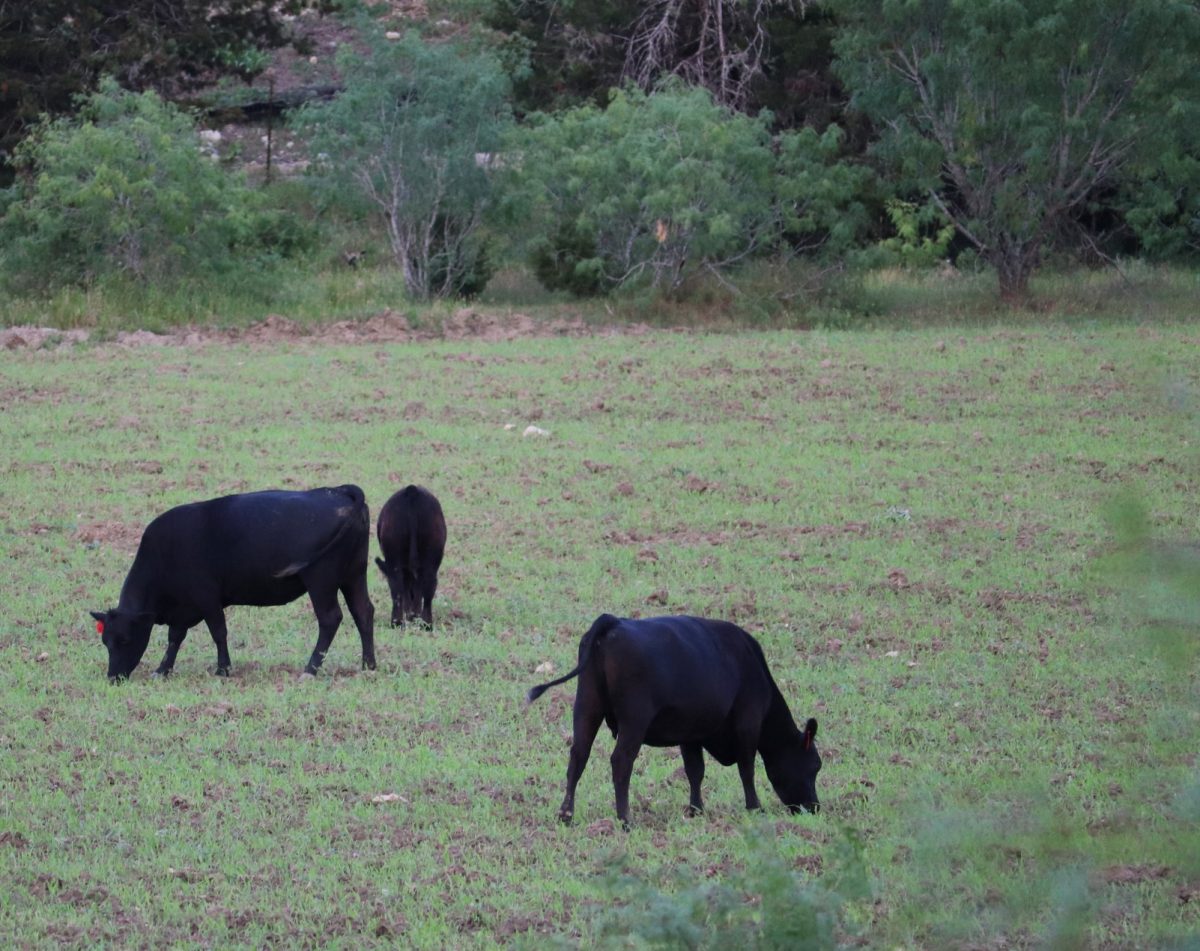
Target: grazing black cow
x: 412, y: 537
x: 692, y: 683
x: 260, y: 548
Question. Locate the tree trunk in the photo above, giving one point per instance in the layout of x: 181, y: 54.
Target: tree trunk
x: 1015, y: 262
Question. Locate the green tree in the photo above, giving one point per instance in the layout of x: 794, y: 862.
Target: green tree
x: 1011, y: 114
x: 413, y: 133
x: 51, y: 51
x: 751, y: 54
x: 659, y: 187
x: 122, y: 188
x: 1161, y: 197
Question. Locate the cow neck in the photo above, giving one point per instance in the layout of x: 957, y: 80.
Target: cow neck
x: 779, y: 727
x: 135, y: 591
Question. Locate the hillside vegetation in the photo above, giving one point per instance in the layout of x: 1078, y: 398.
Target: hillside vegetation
x: 769, y: 154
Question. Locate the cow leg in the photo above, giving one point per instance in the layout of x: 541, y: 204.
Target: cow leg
x: 629, y: 743
x: 329, y: 616
x: 428, y: 589
x: 693, y: 765
x: 175, y: 635
x: 745, y: 765
x: 587, y: 720
x: 412, y: 598
x: 358, y: 600
x: 220, y: 636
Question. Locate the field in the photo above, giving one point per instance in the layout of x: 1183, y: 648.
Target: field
x: 918, y: 526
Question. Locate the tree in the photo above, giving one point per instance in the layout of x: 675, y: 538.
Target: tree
x: 1010, y: 114
x: 53, y: 50
x: 750, y: 54
x: 123, y: 189
x: 659, y: 187
x: 412, y: 133
x: 717, y: 44
x: 1160, y: 198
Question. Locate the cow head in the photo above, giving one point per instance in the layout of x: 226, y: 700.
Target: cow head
x: 406, y: 601
x: 126, y: 636
x: 793, y: 770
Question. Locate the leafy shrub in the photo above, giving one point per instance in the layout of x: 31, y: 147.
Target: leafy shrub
x: 567, y: 261
x: 123, y: 190
x: 658, y: 187
x: 766, y: 906
x: 922, y: 234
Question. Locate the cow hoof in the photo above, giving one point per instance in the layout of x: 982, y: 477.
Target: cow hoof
x: 222, y: 671
x: 161, y: 673
x: 566, y: 817
x: 692, y: 811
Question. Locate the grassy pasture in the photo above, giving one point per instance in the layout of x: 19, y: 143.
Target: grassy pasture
x: 909, y: 522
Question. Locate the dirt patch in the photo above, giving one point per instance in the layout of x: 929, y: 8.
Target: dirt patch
x: 35, y: 338
x: 1133, y: 874
x: 118, y: 535
x: 388, y: 326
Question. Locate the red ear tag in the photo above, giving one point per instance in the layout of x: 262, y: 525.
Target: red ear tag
x: 100, y: 627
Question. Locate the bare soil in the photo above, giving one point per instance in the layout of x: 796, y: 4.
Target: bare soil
x: 388, y: 326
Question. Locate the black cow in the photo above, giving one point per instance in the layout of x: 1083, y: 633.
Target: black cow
x: 692, y: 683
x: 260, y: 548
x: 412, y: 537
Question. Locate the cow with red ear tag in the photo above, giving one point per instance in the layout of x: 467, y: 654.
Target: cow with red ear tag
x: 126, y: 636
x: 258, y: 548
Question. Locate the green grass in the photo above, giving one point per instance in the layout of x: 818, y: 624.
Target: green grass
x: 764, y: 295
x: 912, y: 524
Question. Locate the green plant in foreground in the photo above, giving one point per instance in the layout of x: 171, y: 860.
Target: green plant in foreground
x: 767, y: 905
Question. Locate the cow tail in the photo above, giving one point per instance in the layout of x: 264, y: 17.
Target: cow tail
x: 412, y: 548
x: 601, y: 626
x: 359, y: 499
x: 361, y: 520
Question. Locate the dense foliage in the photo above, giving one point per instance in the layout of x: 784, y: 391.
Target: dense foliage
x: 411, y: 135
x: 54, y: 50
x: 1011, y: 117
x: 122, y: 189
x: 661, y: 187
x: 773, y: 54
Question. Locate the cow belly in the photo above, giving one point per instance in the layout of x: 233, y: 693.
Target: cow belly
x: 671, y: 727
x: 265, y: 592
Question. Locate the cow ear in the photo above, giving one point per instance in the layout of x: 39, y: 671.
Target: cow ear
x: 100, y: 616
x: 382, y: 565
x: 810, y: 733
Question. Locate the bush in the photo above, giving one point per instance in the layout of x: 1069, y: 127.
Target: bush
x: 657, y: 188
x: 122, y: 190
x: 767, y: 906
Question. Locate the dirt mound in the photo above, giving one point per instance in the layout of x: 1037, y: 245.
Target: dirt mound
x: 388, y: 326
x: 34, y: 338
